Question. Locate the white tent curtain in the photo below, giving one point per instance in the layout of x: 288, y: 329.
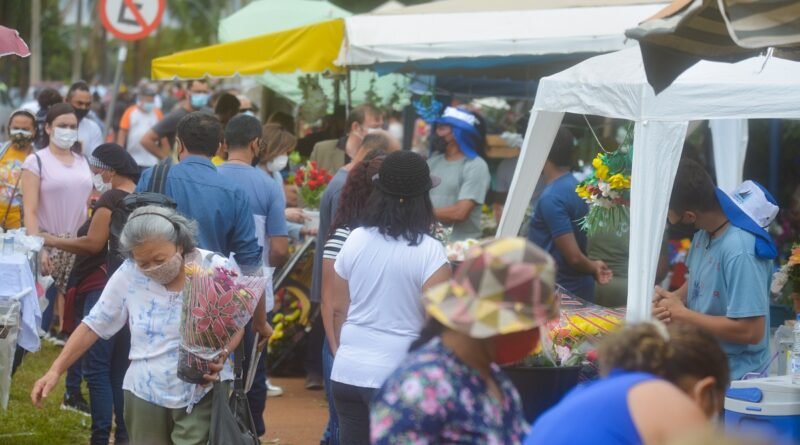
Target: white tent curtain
x: 539, y: 137
x: 651, y: 186
x: 729, y: 139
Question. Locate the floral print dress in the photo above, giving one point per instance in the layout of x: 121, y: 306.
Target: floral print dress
x: 434, y: 398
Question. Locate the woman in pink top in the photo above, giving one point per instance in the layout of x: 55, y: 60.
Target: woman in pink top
x: 56, y: 184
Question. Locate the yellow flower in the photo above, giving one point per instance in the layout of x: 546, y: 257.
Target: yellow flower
x: 686, y: 243
x: 795, y: 258
x: 597, y: 162
x: 601, y: 172
x: 582, y: 192
x: 619, y: 182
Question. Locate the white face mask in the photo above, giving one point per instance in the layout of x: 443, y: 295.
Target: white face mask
x: 64, y: 138
x: 100, y: 185
x: 278, y: 163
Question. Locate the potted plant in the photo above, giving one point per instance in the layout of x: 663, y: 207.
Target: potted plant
x: 311, y: 182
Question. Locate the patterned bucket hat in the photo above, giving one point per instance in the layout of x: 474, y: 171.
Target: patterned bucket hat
x: 504, y: 286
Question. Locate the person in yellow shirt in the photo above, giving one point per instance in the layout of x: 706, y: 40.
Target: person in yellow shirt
x: 21, y: 132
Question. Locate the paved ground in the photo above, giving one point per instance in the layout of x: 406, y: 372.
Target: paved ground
x: 298, y: 417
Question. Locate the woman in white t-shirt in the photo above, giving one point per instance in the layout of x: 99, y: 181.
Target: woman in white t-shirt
x: 381, y: 272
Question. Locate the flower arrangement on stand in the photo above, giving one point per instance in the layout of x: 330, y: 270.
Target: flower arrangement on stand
x: 428, y: 108
x: 565, y: 356
x: 311, y: 182
x: 217, y: 302
x: 607, y: 191
x: 571, y: 340
x: 789, y: 273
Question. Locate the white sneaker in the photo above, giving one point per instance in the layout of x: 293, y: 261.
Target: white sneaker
x: 273, y: 391
x: 53, y: 340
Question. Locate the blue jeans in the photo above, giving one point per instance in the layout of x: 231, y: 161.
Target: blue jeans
x: 352, y: 405
x: 331, y: 435
x: 104, y: 367
x: 47, y: 315
x: 257, y: 396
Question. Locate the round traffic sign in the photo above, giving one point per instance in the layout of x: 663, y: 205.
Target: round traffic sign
x: 131, y: 19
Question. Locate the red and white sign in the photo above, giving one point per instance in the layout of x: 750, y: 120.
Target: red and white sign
x: 131, y: 19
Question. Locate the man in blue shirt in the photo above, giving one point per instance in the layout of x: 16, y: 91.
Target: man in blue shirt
x: 267, y: 202
x: 221, y: 209
x: 555, y: 223
x: 730, y: 266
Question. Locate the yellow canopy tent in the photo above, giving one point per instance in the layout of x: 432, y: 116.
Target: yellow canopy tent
x: 309, y: 49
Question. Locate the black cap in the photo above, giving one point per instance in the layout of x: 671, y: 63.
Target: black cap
x: 114, y: 157
x: 405, y: 174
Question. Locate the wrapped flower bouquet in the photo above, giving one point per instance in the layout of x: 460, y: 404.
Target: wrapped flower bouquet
x: 217, y: 302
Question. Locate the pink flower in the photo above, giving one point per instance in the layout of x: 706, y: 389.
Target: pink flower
x: 216, y: 312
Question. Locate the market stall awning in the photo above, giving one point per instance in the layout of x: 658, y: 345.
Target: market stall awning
x: 308, y: 49
x: 721, y: 30
x: 475, y: 33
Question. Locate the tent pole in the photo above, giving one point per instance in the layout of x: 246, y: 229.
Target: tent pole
x: 652, y: 177
x: 349, y: 97
x: 539, y: 138
x: 774, y: 155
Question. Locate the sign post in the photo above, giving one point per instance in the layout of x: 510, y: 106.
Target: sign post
x: 127, y: 20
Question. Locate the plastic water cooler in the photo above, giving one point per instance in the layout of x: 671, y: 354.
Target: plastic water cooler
x: 768, y: 405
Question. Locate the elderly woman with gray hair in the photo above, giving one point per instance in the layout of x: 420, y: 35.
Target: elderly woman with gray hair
x: 145, y: 293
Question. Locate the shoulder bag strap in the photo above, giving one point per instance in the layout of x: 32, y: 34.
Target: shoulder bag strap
x: 4, y: 148
x: 158, y: 181
x: 238, y: 360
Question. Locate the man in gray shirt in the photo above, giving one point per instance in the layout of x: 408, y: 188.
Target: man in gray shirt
x: 458, y: 200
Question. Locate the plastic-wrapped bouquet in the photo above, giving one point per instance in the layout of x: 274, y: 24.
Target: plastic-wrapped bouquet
x: 311, y: 182
x: 217, y: 302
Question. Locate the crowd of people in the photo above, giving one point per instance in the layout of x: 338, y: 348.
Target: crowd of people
x: 408, y: 347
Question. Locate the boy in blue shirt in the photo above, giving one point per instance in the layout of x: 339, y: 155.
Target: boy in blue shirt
x: 730, y: 266
x: 555, y: 223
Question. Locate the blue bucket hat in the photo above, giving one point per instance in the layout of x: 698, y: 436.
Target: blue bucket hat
x: 464, y: 128
x: 752, y: 208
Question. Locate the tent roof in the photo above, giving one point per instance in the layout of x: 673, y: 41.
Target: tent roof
x: 469, y: 6
x: 468, y: 29
x: 615, y: 85
x: 308, y: 49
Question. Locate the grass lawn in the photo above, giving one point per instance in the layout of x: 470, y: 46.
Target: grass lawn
x: 23, y: 424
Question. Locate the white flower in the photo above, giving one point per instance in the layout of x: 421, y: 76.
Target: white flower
x: 604, y: 187
x: 779, y: 280
x: 564, y: 353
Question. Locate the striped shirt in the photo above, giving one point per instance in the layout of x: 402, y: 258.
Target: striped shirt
x: 335, y: 243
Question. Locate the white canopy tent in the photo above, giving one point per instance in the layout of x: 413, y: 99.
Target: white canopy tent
x: 458, y: 29
x: 614, y: 85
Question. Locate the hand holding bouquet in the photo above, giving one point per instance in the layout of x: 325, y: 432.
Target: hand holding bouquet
x: 217, y: 303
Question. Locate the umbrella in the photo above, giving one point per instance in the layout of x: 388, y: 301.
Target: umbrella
x: 12, y: 43
x: 687, y: 31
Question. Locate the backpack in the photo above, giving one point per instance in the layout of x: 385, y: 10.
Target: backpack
x: 119, y: 215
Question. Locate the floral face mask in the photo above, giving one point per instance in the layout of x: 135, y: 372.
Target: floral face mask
x: 166, y: 272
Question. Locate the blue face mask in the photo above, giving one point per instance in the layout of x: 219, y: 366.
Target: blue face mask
x: 148, y: 106
x: 199, y: 100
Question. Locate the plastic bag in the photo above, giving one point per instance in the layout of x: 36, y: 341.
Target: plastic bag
x: 217, y: 302
x: 9, y: 330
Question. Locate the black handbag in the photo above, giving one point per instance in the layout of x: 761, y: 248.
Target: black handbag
x: 231, y: 421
